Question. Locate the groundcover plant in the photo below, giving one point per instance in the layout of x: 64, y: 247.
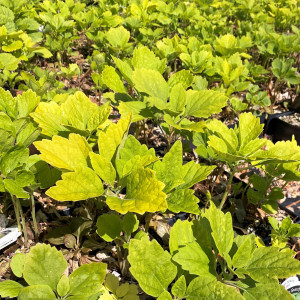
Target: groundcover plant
x: 132, y: 152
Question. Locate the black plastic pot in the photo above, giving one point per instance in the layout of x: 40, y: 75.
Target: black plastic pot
x: 280, y: 130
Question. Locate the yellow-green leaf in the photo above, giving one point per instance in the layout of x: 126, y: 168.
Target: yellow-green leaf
x: 144, y: 194
x: 64, y: 153
x: 79, y: 185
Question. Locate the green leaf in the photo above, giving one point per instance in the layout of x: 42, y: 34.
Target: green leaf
x: 10, y: 288
x: 151, y: 266
x: 143, y: 57
x: 8, y: 104
x: 139, y: 110
x: 179, y: 287
x: 183, y: 77
x: 144, y: 194
x: 44, y: 265
x: 64, y: 153
x: 183, y: 200
x: 181, y: 234
x: 267, y: 291
x: 103, y: 168
x: 111, y: 283
x: 244, y: 252
x: 36, y: 292
x: 112, y: 80
x: 109, y: 141
x: 27, y: 102
x: 152, y: 83
x: 87, y: 279
x: 124, y: 68
x: 248, y: 133
x: 79, y: 185
x: 193, y: 259
x: 130, y: 223
x: 222, y: 230
x: 269, y: 263
x: 177, y: 99
x: 165, y: 295
x: 8, y: 61
x: 14, y: 189
x: 109, y: 227
x: 202, y: 104
x: 169, y: 170
x: 17, y: 264
x: 63, y: 286
x: 24, y: 178
x: 204, y: 287
x: 118, y: 37
x: 16, y: 156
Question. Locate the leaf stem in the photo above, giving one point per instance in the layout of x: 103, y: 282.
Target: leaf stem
x: 36, y: 232
x: 23, y: 221
x: 16, y: 212
x: 228, y: 188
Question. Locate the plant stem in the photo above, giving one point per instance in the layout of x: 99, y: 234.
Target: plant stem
x: 16, y: 212
x: 23, y: 221
x: 228, y: 188
x: 36, y: 232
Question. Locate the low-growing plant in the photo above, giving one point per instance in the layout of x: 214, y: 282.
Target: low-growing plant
x: 207, y: 260
x: 43, y: 271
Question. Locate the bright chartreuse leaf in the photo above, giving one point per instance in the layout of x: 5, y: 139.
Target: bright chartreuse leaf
x: 152, y: 83
x: 50, y: 118
x: 151, y: 266
x: 175, y: 175
x: 124, y: 68
x: 169, y: 170
x: 177, y: 99
x: 118, y: 37
x: 110, y: 140
x: 143, y: 57
x: 111, y: 78
x: 179, y: 287
x: 165, y: 295
x: 27, y: 102
x: 193, y: 259
x: 37, y: 292
x: 183, y: 77
x: 64, y: 153
x: 222, y: 230
x: 109, y: 227
x: 17, y: 264
x: 44, y: 265
x: 183, y: 200
x: 268, y: 263
x: 133, y: 156
x: 103, y: 167
x: 8, y: 104
x: 81, y: 113
x: 139, y: 110
x: 8, y: 61
x: 204, y: 287
x: 202, y: 104
x: 144, y: 194
x: 267, y: 291
x: 9, y: 288
x: 81, y: 184
x: 87, y: 279
x: 63, y: 286
x: 181, y: 234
